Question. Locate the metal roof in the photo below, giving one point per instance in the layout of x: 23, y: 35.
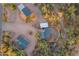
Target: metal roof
x: 22, y: 42
x: 26, y: 11
x: 44, y: 25
x: 46, y: 33
x: 21, y: 6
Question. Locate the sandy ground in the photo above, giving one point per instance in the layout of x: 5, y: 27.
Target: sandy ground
x: 19, y: 27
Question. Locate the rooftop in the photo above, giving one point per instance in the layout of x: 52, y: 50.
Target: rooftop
x: 26, y: 11
x: 46, y: 33
x: 21, y: 6
x: 44, y: 25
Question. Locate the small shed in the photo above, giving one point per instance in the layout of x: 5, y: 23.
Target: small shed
x: 26, y: 11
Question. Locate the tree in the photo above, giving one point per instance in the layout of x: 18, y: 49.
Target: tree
x: 42, y: 49
x: 12, y: 6
x: 70, y: 11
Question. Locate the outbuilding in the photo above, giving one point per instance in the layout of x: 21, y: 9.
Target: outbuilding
x: 46, y: 31
x: 26, y: 11
x: 21, y: 42
x: 45, y: 34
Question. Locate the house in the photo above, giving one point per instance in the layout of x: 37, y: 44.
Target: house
x: 26, y: 11
x: 22, y: 42
x: 46, y: 33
